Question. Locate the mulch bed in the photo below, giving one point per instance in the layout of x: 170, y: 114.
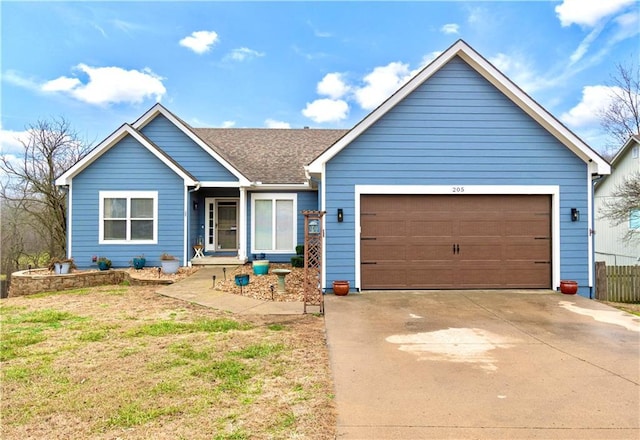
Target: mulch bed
x: 259, y: 286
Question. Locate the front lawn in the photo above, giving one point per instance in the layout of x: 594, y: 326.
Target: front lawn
x: 123, y: 362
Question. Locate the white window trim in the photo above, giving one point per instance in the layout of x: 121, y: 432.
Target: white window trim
x: 274, y: 196
x: 127, y: 195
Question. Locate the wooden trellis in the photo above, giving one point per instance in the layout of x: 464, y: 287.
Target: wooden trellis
x: 313, y: 235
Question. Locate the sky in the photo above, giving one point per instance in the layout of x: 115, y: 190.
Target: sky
x: 293, y: 64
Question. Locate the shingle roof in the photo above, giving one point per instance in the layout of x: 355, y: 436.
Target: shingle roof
x: 269, y: 155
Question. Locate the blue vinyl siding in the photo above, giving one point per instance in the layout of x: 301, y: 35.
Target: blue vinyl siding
x: 184, y: 151
x: 456, y: 129
x: 127, y: 166
x: 307, y: 201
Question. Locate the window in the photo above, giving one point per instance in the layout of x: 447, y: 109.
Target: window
x: 634, y: 152
x: 634, y: 219
x: 128, y: 217
x: 273, y: 223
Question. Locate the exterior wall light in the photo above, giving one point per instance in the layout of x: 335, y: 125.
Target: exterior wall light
x: 575, y: 215
x: 340, y: 215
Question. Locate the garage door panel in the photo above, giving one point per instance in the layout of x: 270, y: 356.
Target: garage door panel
x: 388, y: 228
x: 457, y: 241
x: 430, y: 228
x: 373, y: 253
x: 390, y: 277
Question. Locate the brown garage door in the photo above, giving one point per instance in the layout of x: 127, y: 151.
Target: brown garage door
x: 455, y: 241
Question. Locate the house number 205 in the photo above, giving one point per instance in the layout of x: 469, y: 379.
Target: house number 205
x: 457, y: 189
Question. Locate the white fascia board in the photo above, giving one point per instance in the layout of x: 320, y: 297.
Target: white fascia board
x: 495, y: 77
x: 632, y: 140
x: 111, y: 141
x: 280, y: 187
x: 159, y: 108
x: 315, y: 167
x: 533, y: 109
x: 101, y: 148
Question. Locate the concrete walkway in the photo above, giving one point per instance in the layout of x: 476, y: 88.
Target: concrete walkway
x: 198, y: 289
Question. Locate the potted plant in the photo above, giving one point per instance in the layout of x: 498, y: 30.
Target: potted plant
x: 61, y: 266
x: 340, y: 287
x: 170, y: 264
x: 568, y: 287
x: 104, y: 263
x: 138, y: 262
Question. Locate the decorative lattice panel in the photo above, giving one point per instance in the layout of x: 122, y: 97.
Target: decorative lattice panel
x: 313, y: 236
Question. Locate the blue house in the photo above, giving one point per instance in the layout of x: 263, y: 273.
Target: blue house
x: 458, y: 180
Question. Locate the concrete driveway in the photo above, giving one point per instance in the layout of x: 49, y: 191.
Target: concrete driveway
x: 483, y: 365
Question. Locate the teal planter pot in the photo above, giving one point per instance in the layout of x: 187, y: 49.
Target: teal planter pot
x: 261, y: 267
x: 138, y: 263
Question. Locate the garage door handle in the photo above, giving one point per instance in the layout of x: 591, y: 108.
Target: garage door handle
x: 456, y: 249
x: 369, y: 262
x: 541, y: 262
x: 368, y: 238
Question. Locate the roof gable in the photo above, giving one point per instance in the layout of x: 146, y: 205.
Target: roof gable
x: 111, y: 141
x: 633, y: 140
x: 189, y: 132
x: 495, y: 77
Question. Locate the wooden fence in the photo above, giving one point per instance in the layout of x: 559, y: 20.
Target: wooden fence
x: 617, y: 283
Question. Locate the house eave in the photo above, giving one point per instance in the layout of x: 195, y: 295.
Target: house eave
x: 495, y: 77
x: 111, y: 141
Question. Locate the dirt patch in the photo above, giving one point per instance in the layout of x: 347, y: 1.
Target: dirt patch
x: 123, y: 362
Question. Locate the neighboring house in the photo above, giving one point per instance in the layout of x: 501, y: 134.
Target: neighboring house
x: 610, y: 246
x: 458, y: 180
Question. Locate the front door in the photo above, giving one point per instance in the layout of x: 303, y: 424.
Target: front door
x: 222, y: 225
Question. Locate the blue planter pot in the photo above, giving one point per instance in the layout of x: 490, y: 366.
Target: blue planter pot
x: 138, y: 263
x: 242, y: 280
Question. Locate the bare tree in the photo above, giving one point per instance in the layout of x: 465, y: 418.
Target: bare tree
x: 50, y: 148
x: 621, y: 118
x: 624, y: 202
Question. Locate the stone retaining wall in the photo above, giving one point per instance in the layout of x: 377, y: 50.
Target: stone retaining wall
x: 29, y: 282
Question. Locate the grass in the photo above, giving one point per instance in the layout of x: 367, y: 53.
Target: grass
x: 124, y: 362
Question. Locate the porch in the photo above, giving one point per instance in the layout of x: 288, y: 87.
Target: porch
x: 208, y: 260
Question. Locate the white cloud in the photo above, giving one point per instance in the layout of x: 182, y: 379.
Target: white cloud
x: 584, y: 44
x: 520, y: 70
x: 200, y: 41
x: 109, y: 85
x: 326, y: 110
x: 588, y: 12
x: 10, y: 141
x: 16, y: 79
x: 381, y: 83
x: 450, y: 28
x: 272, y: 123
x: 228, y: 124
x: 60, y: 84
x: 243, y: 53
x: 586, y: 112
x: 333, y: 86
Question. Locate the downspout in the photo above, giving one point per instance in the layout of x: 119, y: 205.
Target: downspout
x: 195, y: 188
x: 595, y: 178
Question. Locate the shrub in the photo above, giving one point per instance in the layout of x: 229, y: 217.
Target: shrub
x: 297, y: 261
